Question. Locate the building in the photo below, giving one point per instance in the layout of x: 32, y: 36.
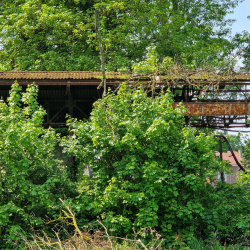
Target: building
x: 231, y: 178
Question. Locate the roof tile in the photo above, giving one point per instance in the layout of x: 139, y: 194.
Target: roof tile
x: 228, y: 157
x: 56, y: 75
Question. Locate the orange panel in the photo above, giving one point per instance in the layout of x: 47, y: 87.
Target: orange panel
x: 226, y: 108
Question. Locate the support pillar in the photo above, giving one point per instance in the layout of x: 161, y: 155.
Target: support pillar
x: 72, y: 166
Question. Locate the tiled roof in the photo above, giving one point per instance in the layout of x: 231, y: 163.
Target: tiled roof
x: 228, y: 156
x: 91, y: 75
x: 58, y: 75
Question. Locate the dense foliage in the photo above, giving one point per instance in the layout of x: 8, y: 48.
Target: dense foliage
x: 243, y: 40
x: 148, y: 170
x: 151, y: 170
x: 31, y: 177
x: 60, y: 35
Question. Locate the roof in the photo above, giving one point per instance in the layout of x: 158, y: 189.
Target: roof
x: 87, y: 78
x: 92, y: 74
x: 228, y: 157
x: 57, y: 75
x: 115, y: 78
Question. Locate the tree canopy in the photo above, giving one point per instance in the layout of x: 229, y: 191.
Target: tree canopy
x: 60, y: 35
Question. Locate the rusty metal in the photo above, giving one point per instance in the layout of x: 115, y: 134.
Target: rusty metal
x: 211, y: 109
x: 74, y: 92
x: 197, y: 80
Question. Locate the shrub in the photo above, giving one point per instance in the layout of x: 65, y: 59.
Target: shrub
x: 148, y: 168
x: 31, y: 178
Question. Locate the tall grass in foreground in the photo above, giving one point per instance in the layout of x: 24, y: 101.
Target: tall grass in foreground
x: 101, y: 240
x: 86, y: 241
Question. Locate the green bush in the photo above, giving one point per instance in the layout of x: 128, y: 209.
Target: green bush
x: 31, y: 178
x: 148, y: 168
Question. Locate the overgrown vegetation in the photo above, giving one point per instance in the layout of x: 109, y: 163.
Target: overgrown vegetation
x: 60, y: 35
x: 101, y: 239
x: 149, y: 170
x: 31, y: 178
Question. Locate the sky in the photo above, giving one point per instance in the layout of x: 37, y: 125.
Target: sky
x: 240, y: 14
x: 242, y: 23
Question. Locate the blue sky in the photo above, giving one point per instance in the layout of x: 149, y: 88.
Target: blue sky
x: 242, y: 23
x: 240, y: 14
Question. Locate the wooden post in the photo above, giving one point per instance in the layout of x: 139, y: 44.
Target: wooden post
x: 48, y: 112
x: 70, y: 101
x: 72, y: 167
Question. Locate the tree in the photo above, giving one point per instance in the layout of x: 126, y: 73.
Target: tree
x: 241, y: 40
x: 52, y: 35
x: 246, y: 53
x: 148, y: 168
x: 31, y: 177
